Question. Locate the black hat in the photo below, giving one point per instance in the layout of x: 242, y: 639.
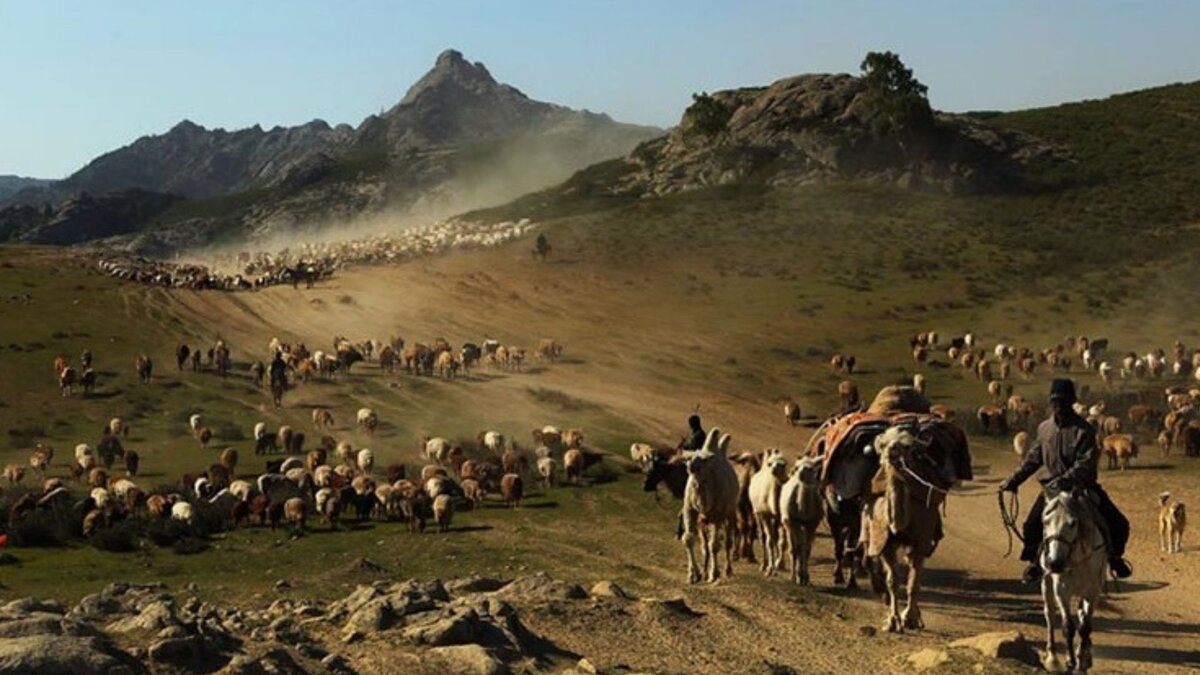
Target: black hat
x: 694, y: 421
x: 1062, y: 388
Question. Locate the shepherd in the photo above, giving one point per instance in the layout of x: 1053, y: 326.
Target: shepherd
x: 1067, y: 455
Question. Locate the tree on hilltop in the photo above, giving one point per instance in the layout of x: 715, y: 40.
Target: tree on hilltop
x: 894, y: 96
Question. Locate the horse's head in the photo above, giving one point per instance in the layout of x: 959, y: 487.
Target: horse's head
x: 1061, y: 530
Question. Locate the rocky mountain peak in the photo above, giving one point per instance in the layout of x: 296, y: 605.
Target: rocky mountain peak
x: 452, y: 71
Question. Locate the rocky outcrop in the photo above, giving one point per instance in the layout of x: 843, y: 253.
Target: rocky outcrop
x: 815, y: 128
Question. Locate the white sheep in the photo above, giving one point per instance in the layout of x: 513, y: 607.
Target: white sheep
x: 84, y: 450
x: 367, y: 419
x: 492, y: 441
x: 100, y: 497
x: 183, y: 511
x: 641, y: 453
x: 366, y: 461
x: 260, y: 431
x: 122, y: 487
x: 547, y: 468
x: 437, y: 450
x: 194, y: 422
x: 919, y: 383
x: 115, y: 425
x: 242, y: 489
x: 322, y: 475
x: 203, y: 488
x: 291, y: 463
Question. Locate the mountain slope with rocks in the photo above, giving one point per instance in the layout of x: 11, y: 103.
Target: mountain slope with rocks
x: 10, y: 185
x: 457, y: 140
x: 817, y: 128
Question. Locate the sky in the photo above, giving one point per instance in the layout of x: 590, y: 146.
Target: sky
x: 80, y: 78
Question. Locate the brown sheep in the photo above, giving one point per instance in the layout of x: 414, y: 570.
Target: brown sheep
x: 514, y: 462
x: 1021, y: 443
x: 572, y: 438
x: 576, y: 461
x: 983, y: 370
x: 1110, y: 425
x: 205, y: 435
x: 295, y: 512
x: 920, y: 354
x: 1140, y: 415
x: 39, y: 463
x: 1164, y: 442
x: 259, y: 506
x: 548, y: 349
x: 995, y: 389
x: 432, y: 471
x: 1120, y: 449
x: 314, y: 458
x: 219, y: 476
x: 229, y: 460
x: 132, y: 462
x: 443, y: 511
x: 473, y: 491
x: 283, y: 437
x: 322, y: 418
x: 15, y: 473
x: 158, y: 506
x: 97, y: 478
x: 394, y: 472
x: 992, y: 417
x: 941, y: 410
x: 513, y: 489
x: 848, y: 393
x: 791, y: 412
x: 468, y: 469
x: 837, y: 362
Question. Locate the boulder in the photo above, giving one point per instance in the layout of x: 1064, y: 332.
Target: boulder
x: 26, y: 605
x: 468, y: 660
x: 153, y: 617
x: 1000, y: 645
x: 457, y: 628
x: 540, y: 588
x: 475, y: 584
x: 59, y: 655
x: 36, y: 623
x: 927, y: 659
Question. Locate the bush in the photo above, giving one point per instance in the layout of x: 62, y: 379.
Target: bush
x: 43, y: 527
x: 166, y: 531
x: 122, y: 536
x: 708, y: 115
x: 190, y: 546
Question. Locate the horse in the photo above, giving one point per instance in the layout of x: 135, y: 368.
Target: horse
x: 1073, y: 561
x: 709, y: 506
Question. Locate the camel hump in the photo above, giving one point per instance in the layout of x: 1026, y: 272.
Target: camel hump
x: 899, y: 399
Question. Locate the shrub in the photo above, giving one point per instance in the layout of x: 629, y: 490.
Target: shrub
x: 707, y: 115
x: 122, y: 536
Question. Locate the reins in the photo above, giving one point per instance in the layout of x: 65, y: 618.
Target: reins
x: 930, y: 487
x: 1008, y: 516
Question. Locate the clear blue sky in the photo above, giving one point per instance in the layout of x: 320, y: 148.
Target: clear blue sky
x: 80, y: 78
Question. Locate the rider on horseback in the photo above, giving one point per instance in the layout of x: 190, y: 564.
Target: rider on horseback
x: 1067, y: 454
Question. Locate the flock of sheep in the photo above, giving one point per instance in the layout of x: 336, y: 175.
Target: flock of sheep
x: 312, y: 262
x: 327, y: 481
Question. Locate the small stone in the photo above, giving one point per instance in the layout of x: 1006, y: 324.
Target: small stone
x: 282, y: 585
x: 351, y: 637
x: 191, y: 587
x: 867, y: 631
x: 585, y: 666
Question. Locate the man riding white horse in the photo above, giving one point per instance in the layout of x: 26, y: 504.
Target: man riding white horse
x: 1068, y: 457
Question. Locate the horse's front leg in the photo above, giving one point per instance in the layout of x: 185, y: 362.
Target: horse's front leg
x: 894, y: 623
x: 912, y: 612
x: 1048, y: 603
x: 1068, y: 619
x: 1083, y: 658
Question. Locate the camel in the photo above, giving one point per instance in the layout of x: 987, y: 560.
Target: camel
x: 904, y: 519
x: 709, y: 506
x: 801, y: 508
x: 1073, y: 563
x: 765, y: 486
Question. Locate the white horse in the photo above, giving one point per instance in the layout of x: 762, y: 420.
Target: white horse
x: 1073, y: 563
